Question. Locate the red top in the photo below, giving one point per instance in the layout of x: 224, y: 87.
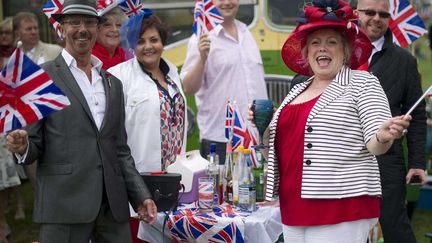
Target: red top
x: 101, y: 52
x: 296, y: 211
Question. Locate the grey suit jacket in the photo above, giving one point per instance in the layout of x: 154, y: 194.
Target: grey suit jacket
x: 77, y: 161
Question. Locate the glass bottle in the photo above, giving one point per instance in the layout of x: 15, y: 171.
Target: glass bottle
x: 228, y: 179
x: 213, y: 171
x: 258, y: 173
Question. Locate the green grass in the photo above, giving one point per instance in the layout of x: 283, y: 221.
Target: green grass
x: 25, y: 231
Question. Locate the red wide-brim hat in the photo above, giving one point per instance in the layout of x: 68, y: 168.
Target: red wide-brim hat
x: 341, y: 19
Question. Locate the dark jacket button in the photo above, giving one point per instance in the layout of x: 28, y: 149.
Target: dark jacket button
x: 308, y: 162
x: 309, y: 129
x: 309, y: 145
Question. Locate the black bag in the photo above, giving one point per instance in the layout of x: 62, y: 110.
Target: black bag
x: 164, y: 189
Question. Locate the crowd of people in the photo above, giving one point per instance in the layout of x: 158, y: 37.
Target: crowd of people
x: 335, y: 159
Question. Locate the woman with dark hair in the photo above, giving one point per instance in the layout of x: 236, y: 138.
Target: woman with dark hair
x: 325, y: 135
x: 154, y: 99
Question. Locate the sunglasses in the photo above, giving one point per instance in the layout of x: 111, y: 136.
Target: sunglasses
x: 373, y: 13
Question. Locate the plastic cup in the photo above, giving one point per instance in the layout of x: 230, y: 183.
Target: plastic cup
x: 205, y: 192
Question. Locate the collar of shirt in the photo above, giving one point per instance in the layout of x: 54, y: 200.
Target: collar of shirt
x: 377, y: 46
x: 31, y: 52
x: 93, y: 90
x: 70, y: 60
x: 241, y: 28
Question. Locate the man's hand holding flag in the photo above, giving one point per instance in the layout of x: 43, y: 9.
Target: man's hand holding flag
x: 27, y: 93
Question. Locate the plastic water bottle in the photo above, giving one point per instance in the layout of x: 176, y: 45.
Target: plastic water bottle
x: 213, y: 171
x: 247, y: 192
x: 238, y: 161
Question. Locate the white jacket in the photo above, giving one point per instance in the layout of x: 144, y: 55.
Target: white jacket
x: 143, y: 113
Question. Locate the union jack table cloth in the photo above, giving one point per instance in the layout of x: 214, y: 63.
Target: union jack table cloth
x: 221, y: 224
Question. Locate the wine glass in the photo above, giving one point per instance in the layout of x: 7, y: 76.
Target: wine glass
x: 263, y: 113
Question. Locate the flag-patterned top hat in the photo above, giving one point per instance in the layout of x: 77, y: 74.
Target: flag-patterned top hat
x: 334, y: 14
x: 82, y: 7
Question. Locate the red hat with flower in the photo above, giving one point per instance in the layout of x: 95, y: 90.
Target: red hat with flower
x: 334, y: 14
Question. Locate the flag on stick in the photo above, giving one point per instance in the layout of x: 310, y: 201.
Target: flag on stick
x: 427, y: 93
x: 53, y: 7
x: 206, y: 17
x: 405, y: 24
x: 27, y: 93
x: 242, y: 135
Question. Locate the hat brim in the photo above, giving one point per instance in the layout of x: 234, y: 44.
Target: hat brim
x: 59, y: 16
x: 292, y: 50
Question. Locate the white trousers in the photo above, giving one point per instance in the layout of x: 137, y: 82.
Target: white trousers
x: 346, y: 232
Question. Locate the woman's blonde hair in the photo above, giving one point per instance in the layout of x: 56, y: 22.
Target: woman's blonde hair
x: 7, y: 24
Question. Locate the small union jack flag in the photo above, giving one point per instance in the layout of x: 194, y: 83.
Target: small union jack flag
x: 27, y: 93
x: 405, y: 24
x: 229, y: 121
x: 242, y: 135
x: 206, y: 17
x: 130, y: 7
x: 53, y: 7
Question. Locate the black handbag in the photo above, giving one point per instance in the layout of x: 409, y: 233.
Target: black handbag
x: 164, y: 188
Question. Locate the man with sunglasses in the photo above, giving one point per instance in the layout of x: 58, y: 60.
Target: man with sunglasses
x: 397, y: 72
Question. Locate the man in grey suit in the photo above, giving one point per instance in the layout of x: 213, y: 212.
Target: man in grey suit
x: 85, y: 175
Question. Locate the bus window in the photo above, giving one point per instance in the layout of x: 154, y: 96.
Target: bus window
x: 178, y: 15
x: 283, y: 12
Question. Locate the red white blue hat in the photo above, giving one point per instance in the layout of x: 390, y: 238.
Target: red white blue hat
x: 334, y: 14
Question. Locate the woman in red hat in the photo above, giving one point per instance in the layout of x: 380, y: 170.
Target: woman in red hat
x: 325, y: 135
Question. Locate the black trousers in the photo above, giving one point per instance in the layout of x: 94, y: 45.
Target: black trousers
x: 220, y: 150
x: 394, y: 219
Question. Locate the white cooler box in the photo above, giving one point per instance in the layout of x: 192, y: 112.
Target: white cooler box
x: 191, y: 165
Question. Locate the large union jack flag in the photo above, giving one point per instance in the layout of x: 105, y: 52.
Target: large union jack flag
x: 405, y: 23
x: 53, y: 7
x: 27, y: 93
x: 206, y: 17
x: 130, y: 7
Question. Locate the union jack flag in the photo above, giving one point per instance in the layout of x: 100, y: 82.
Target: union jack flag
x: 130, y: 7
x: 405, y: 23
x: 206, y: 17
x: 53, y: 7
x: 27, y: 93
x: 229, y: 121
x: 242, y: 135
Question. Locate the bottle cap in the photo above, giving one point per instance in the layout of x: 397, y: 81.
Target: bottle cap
x: 212, y: 148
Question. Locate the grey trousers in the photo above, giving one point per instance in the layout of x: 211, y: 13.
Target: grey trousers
x: 104, y: 229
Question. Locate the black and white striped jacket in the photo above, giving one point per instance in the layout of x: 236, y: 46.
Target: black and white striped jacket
x: 337, y: 163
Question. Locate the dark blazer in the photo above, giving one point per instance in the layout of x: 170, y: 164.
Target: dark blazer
x: 397, y: 72
x: 77, y: 162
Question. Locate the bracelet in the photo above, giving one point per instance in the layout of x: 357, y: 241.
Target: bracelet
x: 376, y: 136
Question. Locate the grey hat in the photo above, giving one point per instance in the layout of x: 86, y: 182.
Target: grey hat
x: 82, y: 7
